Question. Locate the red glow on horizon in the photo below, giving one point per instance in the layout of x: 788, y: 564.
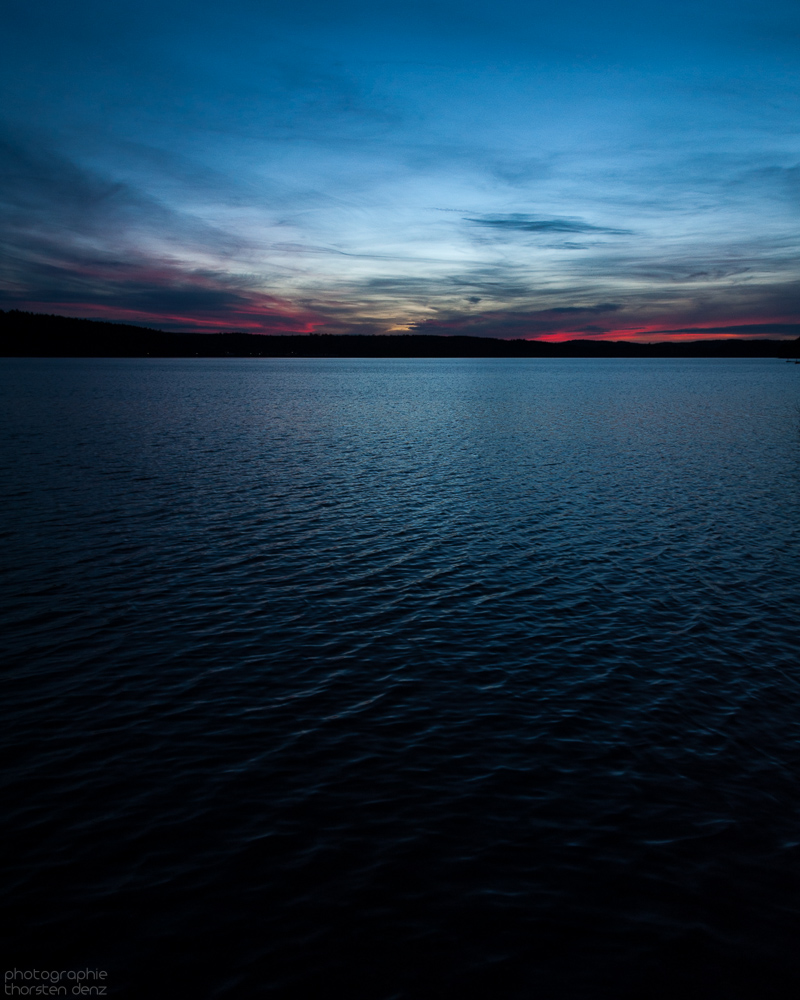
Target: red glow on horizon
x: 266, y: 315
x: 658, y: 333
x: 258, y: 318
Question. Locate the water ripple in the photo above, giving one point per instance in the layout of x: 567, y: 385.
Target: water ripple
x: 404, y: 678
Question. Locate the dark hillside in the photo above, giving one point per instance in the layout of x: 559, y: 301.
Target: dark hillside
x: 25, y: 334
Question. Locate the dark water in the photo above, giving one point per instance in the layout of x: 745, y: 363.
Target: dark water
x: 404, y: 679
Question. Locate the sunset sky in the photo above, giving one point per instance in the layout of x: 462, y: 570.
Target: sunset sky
x: 497, y: 169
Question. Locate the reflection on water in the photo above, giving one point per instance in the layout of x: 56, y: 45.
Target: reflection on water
x: 415, y: 678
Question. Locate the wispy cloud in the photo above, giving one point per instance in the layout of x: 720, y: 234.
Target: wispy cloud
x: 521, y: 223
x: 275, y: 169
x: 742, y: 330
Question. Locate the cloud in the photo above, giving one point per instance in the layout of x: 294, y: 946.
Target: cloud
x: 600, y: 307
x: 742, y: 330
x: 169, y: 243
x: 521, y: 223
x: 46, y: 197
x: 76, y: 242
x: 552, y: 324
x: 518, y: 323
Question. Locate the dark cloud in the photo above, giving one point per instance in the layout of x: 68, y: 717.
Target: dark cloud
x: 311, y: 249
x: 521, y: 324
x: 280, y: 161
x: 42, y: 190
x: 521, y: 223
x: 497, y: 282
x: 74, y: 241
x: 743, y: 330
x: 733, y: 268
x: 514, y: 323
x: 46, y: 197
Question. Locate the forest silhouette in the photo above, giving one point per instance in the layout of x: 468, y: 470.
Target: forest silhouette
x: 27, y: 334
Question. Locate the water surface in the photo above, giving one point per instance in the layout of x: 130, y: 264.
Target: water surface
x: 413, y: 678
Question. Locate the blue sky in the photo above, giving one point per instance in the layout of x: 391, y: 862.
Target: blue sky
x: 503, y: 169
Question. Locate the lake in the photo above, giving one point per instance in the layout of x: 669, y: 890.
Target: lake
x: 403, y: 678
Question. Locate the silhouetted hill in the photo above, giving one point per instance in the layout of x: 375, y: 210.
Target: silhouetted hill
x: 38, y: 335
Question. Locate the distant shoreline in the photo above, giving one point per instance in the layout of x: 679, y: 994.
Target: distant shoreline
x: 40, y: 335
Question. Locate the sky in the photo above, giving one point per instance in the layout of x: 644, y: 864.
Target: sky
x: 505, y: 169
